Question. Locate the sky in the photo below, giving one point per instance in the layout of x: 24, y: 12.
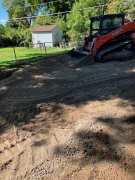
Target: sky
x: 3, y: 14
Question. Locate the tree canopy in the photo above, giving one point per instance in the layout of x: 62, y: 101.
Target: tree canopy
x: 73, y: 23
x: 20, y: 8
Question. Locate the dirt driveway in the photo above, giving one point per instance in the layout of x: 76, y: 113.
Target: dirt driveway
x: 62, y: 123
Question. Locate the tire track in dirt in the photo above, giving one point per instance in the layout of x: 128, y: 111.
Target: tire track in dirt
x: 9, y: 151
x: 36, y: 152
x: 12, y: 150
x: 33, y: 96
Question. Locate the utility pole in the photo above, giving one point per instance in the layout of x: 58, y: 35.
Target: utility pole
x: 104, y: 7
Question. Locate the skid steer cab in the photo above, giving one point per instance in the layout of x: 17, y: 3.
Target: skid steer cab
x: 110, y: 38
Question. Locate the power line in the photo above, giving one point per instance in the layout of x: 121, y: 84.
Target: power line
x: 65, y: 12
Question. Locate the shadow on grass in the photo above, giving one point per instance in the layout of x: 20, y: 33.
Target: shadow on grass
x: 30, y: 57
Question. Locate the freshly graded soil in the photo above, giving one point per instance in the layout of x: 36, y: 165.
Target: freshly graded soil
x: 63, y: 123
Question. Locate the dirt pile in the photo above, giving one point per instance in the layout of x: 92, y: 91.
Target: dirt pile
x: 59, y: 122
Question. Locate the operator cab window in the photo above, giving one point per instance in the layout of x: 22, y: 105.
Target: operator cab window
x: 117, y: 22
x: 95, y: 27
x: 110, y: 23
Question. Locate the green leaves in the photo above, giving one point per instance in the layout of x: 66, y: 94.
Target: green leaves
x: 14, y: 37
x: 73, y: 24
x: 130, y: 10
x: 17, y: 9
x: 78, y: 20
x: 126, y: 7
x: 44, y: 20
x: 1, y: 29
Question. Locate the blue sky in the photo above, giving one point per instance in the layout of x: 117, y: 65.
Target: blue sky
x: 3, y: 14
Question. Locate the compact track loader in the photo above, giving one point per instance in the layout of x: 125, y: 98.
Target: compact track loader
x: 111, y: 38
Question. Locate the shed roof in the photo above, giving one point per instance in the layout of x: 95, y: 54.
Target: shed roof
x: 46, y: 28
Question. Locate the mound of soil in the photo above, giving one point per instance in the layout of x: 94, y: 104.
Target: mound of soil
x: 58, y: 122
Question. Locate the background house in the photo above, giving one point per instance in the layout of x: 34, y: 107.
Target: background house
x: 48, y: 34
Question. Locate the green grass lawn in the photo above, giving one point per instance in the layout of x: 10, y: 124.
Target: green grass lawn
x: 22, y: 53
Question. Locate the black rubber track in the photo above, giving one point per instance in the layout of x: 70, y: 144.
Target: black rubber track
x: 112, y: 47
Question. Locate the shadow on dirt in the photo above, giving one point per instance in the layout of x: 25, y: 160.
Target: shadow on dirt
x: 6, y: 74
x: 73, y: 87
x: 92, y: 147
x: 130, y: 120
x: 39, y: 143
x: 98, y: 145
x: 33, y: 119
x: 70, y: 86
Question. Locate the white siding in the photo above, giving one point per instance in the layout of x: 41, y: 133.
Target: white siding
x: 42, y: 37
x: 49, y: 38
x: 57, y: 35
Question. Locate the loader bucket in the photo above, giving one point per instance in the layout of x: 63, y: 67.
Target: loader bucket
x: 80, y: 58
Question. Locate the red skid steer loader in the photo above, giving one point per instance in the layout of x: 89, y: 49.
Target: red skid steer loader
x: 111, y: 38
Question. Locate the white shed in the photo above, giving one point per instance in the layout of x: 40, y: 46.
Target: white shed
x: 48, y: 34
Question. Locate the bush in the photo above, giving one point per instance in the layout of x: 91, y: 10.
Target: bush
x: 15, y: 37
x: 56, y: 45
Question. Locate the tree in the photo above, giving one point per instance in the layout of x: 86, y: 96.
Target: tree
x: 126, y: 7
x: 44, y: 20
x: 1, y: 34
x: 116, y: 6
x: 61, y: 6
x: 19, y: 8
x: 130, y: 9
x: 78, y: 20
x: 1, y: 29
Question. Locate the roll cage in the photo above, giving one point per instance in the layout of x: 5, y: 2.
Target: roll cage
x: 104, y: 24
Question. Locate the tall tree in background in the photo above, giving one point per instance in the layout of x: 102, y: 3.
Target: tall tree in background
x: 78, y: 20
x: 61, y: 6
x: 73, y: 23
x: 126, y: 7
x: 55, y: 7
x: 1, y: 29
x: 130, y: 10
x: 100, y: 6
x: 19, y: 8
x: 58, y: 18
x: 45, y: 19
x: 116, y: 6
